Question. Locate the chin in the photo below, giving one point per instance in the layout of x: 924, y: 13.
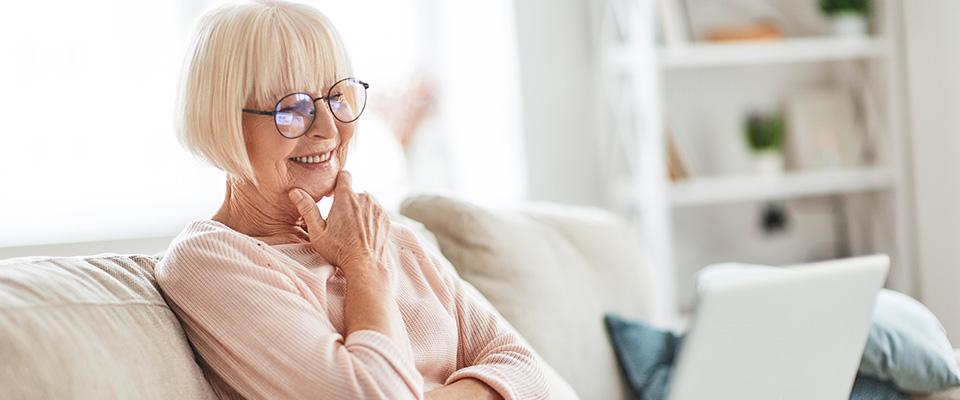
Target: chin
x: 319, y: 193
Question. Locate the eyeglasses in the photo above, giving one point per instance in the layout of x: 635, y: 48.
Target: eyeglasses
x: 295, y: 112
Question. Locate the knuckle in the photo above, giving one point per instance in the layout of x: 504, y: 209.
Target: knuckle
x: 304, y: 207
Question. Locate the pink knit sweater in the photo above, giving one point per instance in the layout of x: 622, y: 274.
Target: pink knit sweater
x: 267, y: 322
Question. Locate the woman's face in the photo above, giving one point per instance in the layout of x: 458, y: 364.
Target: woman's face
x: 310, y: 162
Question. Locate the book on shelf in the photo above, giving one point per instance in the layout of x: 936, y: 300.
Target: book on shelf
x: 673, y: 22
x: 679, y: 166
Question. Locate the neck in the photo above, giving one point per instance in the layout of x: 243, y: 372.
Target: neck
x: 266, y: 216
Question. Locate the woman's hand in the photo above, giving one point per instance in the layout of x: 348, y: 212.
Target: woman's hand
x: 354, y: 232
x: 353, y: 238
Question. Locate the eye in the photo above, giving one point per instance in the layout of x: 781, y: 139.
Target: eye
x: 303, y: 108
x: 335, y: 97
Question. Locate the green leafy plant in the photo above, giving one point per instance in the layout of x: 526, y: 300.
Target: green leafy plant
x: 834, y: 7
x: 765, y: 132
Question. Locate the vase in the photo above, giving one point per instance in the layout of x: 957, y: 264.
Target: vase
x: 848, y: 24
x: 768, y: 163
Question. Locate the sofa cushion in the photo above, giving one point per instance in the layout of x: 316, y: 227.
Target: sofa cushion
x: 553, y: 272
x: 91, y: 328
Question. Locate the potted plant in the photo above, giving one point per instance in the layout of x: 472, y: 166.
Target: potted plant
x: 765, y: 136
x: 847, y: 17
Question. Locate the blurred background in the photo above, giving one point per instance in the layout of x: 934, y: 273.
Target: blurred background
x: 763, y: 131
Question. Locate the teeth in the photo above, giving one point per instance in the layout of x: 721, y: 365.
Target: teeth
x: 313, y: 159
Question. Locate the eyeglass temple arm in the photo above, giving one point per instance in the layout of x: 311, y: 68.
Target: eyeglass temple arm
x: 259, y: 112
x: 365, y: 87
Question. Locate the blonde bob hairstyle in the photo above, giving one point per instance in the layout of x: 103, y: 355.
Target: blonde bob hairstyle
x: 249, y: 56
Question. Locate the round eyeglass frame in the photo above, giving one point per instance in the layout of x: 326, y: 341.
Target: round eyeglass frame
x: 326, y: 99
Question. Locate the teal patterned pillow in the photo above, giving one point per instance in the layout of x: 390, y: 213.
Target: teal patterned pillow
x: 645, y: 355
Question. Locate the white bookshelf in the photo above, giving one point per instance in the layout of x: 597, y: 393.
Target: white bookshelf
x: 648, y: 86
x: 790, y: 50
x: 791, y: 185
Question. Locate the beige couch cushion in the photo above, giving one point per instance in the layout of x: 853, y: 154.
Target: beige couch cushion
x: 552, y: 271
x: 559, y: 388
x: 91, y: 328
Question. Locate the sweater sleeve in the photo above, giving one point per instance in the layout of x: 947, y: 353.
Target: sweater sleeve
x: 249, y: 324
x: 489, y: 349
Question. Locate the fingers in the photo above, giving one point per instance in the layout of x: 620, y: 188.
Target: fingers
x: 344, y: 198
x: 344, y: 182
x: 308, y: 210
x: 346, y: 202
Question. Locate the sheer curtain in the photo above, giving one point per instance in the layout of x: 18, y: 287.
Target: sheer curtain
x: 86, y: 99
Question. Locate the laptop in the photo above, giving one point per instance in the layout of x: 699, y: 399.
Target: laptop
x: 795, y: 333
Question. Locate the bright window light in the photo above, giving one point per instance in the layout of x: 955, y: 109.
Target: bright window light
x: 87, y: 91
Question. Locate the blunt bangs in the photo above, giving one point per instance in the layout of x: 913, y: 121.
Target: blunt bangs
x: 297, y: 51
x: 249, y: 56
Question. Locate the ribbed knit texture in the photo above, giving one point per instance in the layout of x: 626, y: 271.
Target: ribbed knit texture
x: 267, y: 322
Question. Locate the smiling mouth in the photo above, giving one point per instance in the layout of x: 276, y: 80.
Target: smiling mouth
x: 313, y: 159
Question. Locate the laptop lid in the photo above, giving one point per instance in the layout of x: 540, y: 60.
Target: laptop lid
x: 798, y: 334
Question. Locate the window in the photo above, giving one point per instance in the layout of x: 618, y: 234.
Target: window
x: 89, y: 153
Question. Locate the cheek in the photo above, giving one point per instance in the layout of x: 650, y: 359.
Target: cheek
x: 347, y: 132
x: 266, y: 149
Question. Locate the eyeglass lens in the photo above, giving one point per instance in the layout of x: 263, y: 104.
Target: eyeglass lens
x: 295, y: 112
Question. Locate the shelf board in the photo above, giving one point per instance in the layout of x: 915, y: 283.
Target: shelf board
x: 790, y: 50
x: 735, y: 189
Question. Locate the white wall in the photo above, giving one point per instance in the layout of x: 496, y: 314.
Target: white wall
x: 480, y: 99
x: 933, y: 94
x: 556, y: 73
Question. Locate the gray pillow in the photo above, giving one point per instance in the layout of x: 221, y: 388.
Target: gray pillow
x: 908, y: 346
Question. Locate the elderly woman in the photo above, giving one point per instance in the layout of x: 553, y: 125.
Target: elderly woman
x: 279, y: 302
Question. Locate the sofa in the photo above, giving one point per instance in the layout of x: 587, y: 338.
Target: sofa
x: 97, y: 327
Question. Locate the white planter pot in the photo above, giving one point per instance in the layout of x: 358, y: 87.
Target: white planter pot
x: 849, y: 24
x: 768, y: 163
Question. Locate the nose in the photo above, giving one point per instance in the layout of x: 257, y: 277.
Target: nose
x: 324, y: 125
